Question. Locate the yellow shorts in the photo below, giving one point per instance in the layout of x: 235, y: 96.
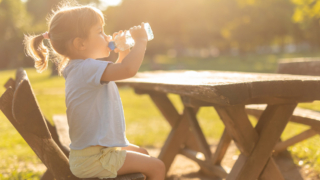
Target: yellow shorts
x: 96, y: 162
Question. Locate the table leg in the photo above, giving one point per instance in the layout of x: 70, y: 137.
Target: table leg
x: 185, y: 137
x: 174, y: 142
x: 179, y: 126
x: 256, y: 144
x: 208, y: 166
x: 222, y: 147
x: 170, y: 113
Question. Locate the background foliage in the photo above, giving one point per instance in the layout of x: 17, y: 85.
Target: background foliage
x: 227, y: 25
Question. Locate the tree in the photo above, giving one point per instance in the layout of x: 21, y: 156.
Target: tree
x: 14, y: 21
x: 307, y: 15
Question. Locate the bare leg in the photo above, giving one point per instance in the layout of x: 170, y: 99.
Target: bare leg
x: 150, y: 166
x: 133, y: 147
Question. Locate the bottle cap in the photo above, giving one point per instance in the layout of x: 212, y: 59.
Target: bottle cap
x: 112, y: 45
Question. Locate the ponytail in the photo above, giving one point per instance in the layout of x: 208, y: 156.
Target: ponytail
x: 37, y: 51
x: 66, y: 23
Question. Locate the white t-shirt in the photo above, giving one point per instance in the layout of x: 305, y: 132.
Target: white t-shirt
x: 94, y: 110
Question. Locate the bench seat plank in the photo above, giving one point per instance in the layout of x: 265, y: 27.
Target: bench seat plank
x: 300, y: 115
x: 61, y: 124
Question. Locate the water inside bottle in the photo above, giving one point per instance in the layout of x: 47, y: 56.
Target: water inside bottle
x: 149, y: 31
x: 125, y: 41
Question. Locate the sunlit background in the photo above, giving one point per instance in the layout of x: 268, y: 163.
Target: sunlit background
x: 226, y: 35
x: 250, y: 35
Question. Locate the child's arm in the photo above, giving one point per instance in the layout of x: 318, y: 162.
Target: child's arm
x: 131, y: 63
x: 122, y: 55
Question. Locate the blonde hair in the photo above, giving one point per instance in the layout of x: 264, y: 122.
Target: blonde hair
x: 64, y: 24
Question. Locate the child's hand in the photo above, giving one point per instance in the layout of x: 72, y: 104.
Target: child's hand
x: 138, y: 33
x: 120, y: 38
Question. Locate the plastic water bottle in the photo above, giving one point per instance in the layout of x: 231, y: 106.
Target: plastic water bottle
x: 127, y: 41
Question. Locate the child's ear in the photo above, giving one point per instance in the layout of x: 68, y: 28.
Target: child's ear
x: 79, y: 44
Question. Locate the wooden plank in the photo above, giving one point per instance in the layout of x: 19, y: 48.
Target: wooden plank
x: 271, y: 172
x: 170, y: 113
x: 47, y: 176
x: 299, y: 66
x: 197, y: 132
x: 300, y: 115
x: 281, y: 146
x: 20, y: 75
x: 133, y: 176
x: 6, y: 102
x: 208, y: 168
x: 56, y: 137
x: 44, y: 147
x: 62, y: 128
x: 26, y: 110
x: 174, y: 142
x: 11, y: 82
x: 239, y: 127
x: 227, y: 88
x: 192, y: 102
x: 231, y: 116
x: 222, y: 147
x: 166, y: 107
x: 274, y: 119
x: 28, y: 114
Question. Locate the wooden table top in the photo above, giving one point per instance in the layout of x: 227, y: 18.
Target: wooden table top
x: 228, y: 88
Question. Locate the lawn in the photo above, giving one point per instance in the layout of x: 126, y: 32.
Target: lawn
x: 145, y: 126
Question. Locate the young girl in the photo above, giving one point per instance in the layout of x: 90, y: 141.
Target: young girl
x: 99, y: 147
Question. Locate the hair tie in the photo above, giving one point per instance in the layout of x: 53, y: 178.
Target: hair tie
x: 46, y: 35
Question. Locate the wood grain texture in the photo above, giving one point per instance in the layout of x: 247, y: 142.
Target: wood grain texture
x: 62, y: 128
x: 227, y: 88
x: 274, y: 119
x: 26, y: 110
x: 31, y: 125
x: 197, y: 132
x: 45, y: 148
x: 281, y: 146
x: 133, y: 176
x: 299, y: 66
x: 175, y: 142
x: 256, y: 144
x: 238, y: 127
x: 271, y: 171
x: 222, y: 147
x: 300, y: 115
x: 208, y: 168
x: 11, y: 82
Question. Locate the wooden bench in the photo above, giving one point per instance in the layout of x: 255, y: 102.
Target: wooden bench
x: 296, y: 66
x: 19, y: 105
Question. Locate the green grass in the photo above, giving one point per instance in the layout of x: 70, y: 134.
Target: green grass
x: 245, y: 63
x: 145, y: 126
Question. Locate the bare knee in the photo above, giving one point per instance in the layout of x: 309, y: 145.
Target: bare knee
x: 159, y: 168
x: 162, y: 167
x: 150, y: 166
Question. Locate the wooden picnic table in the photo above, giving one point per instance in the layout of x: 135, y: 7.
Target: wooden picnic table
x: 228, y: 93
